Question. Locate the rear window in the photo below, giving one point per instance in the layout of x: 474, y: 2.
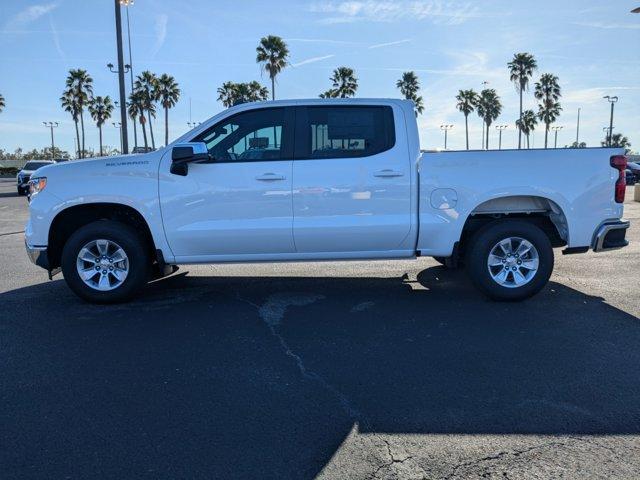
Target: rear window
x: 346, y: 132
x: 35, y: 165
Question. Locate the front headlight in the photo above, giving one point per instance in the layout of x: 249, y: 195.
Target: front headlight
x: 36, y: 185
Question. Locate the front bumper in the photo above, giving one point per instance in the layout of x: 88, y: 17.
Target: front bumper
x: 610, y: 236
x: 38, y: 255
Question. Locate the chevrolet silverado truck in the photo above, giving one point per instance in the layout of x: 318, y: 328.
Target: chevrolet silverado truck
x: 312, y: 180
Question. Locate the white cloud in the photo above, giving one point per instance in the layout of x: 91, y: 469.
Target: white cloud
x: 437, y: 11
x: 617, y: 26
x: 161, y: 32
x: 389, y: 44
x: 311, y: 60
x: 592, y: 95
x: 27, y: 16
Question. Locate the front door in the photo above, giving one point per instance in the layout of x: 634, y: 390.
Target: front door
x: 239, y: 203
x: 351, y: 180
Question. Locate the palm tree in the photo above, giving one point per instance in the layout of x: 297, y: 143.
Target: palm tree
x: 467, y: 102
x: 489, y: 108
x: 100, y: 109
x: 136, y: 110
x: 548, y: 91
x: 409, y: 86
x: 527, y: 123
x: 2, y: 103
x: 617, y: 141
x: 70, y: 104
x: 146, y: 85
x: 521, y: 69
x: 345, y: 84
x: 273, y: 54
x: 80, y: 83
x: 167, y: 93
x: 231, y: 93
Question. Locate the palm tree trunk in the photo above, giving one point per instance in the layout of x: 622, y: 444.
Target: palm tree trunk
x: 466, y: 129
x: 153, y: 142
x: 520, y: 124
x: 144, y: 131
x: 528, y: 147
x: 82, y: 123
x: 486, y: 143
x: 166, y: 126
x: 77, y: 139
x: 546, y: 134
x: 273, y: 88
x: 100, y: 136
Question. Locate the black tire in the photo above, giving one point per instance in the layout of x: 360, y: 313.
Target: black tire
x: 21, y: 191
x: 128, y: 239
x: 486, y: 238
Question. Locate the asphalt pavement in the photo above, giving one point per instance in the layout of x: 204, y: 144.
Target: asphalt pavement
x: 338, y: 370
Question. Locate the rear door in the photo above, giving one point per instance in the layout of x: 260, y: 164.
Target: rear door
x: 239, y: 203
x: 351, y: 179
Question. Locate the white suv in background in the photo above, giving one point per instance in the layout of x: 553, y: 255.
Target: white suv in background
x: 24, y: 175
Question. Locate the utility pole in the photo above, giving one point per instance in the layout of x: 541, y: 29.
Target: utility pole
x: 556, y: 130
x: 612, y: 101
x: 121, y: 71
x: 129, y: 3
x: 500, y: 128
x: 446, y: 129
x: 51, y: 126
x: 578, y: 130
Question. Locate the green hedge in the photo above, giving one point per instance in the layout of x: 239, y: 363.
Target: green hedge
x: 9, y: 170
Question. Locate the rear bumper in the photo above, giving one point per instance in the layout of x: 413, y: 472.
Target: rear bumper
x: 611, y: 236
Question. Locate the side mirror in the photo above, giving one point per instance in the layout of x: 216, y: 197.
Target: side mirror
x: 184, y: 153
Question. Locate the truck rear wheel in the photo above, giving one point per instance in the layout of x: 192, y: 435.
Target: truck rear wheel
x: 510, y: 259
x: 105, y: 262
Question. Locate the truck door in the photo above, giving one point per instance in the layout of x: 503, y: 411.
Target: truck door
x: 351, y: 179
x: 239, y: 203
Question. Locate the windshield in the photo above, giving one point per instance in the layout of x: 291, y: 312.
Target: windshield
x: 35, y: 165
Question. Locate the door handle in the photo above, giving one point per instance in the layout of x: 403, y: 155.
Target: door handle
x: 388, y: 173
x: 270, y: 177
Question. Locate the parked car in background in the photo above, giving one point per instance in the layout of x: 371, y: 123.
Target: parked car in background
x: 314, y: 180
x: 634, y: 167
x: 630, y: 177
x: 142, y: 150
x: 24, y: 175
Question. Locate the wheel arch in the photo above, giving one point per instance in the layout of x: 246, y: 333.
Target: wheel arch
x: 74, y: 217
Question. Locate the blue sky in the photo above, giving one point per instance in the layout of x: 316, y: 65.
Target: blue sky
x: 593, y: 46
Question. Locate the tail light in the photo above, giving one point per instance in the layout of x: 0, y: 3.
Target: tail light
x: 619, y: 162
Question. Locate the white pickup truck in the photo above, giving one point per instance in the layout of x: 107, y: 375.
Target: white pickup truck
x: 306, y: 180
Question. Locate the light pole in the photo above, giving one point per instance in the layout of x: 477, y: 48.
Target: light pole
x: 612, y: 101
x: 556, y: 130
x: 606, y: 131
x: 118, y: 125
x: 51, y: 126
x: 578, y: 130
x: 500, y: 128
x: 121, y: 72
x: 129, y: 3
x: 446, y: 129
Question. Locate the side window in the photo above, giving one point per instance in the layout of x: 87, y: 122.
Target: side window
x: 346, y: 132
x: 255, y: 135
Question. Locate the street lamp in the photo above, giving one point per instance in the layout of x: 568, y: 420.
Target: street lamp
x: 121, y: 72
x: 446, y: 129
x: 612, y: 101
x: 556, y: 130
x: 500, y: 128
x: 51, y: 126
x: 129, y: 3
x: 118, y: 125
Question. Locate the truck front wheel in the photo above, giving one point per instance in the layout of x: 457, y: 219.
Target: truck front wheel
x: 105, y: 262
x: 510, y: 259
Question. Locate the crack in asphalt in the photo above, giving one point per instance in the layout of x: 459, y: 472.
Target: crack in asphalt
x: 11, y: 233
x: 499, y: 455
x: 393, y: 459
x: 272, y: 312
